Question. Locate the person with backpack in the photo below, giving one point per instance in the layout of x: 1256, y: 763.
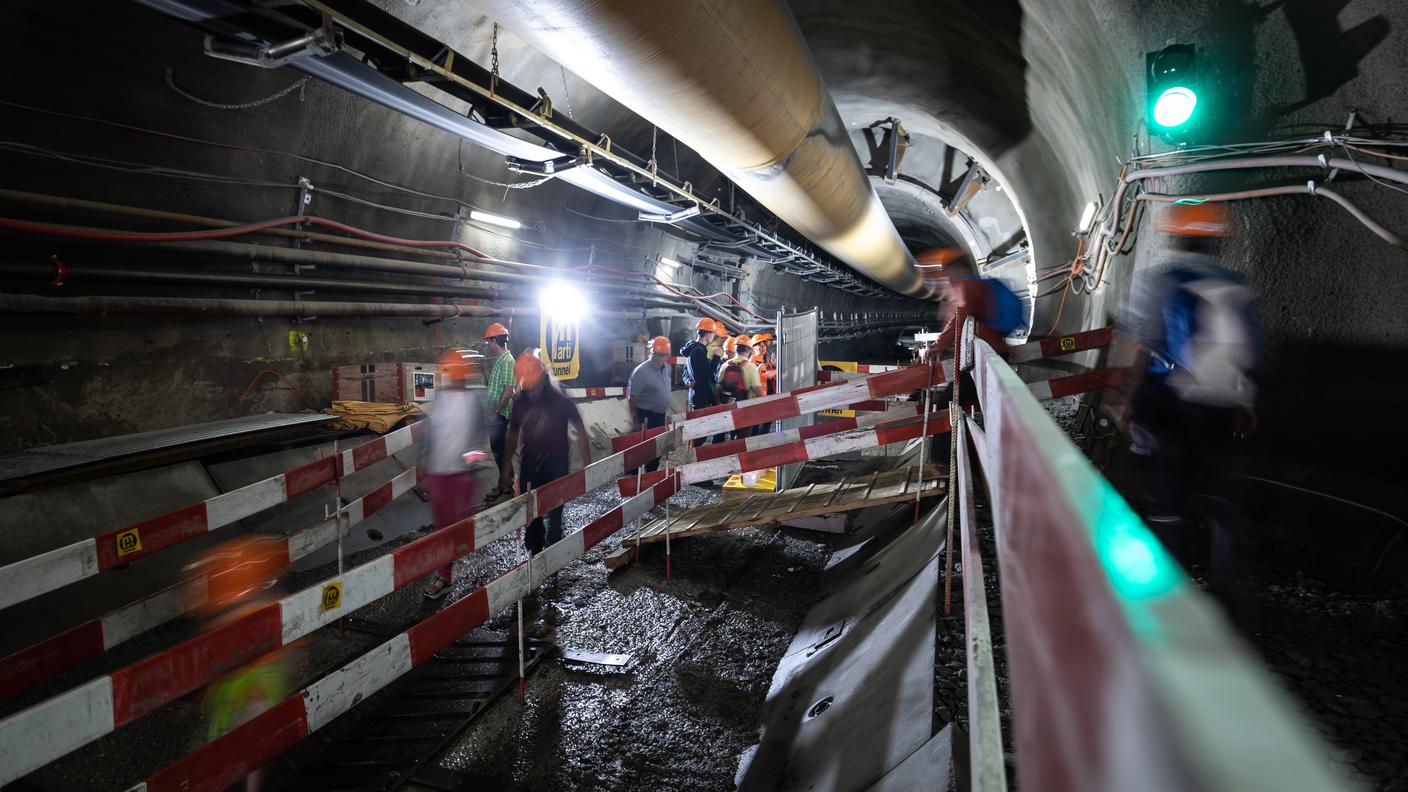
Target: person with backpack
x: 996, y: 312
x: 738, y: 379
x: 1193, y: 391
x: 700, y: 369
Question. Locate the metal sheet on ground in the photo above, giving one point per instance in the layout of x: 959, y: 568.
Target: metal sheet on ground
x: 853, y: 697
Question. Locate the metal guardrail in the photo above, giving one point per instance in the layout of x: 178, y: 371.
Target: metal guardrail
x: 1123, y: 674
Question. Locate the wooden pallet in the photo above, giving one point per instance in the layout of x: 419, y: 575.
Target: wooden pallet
x: 775, y: 508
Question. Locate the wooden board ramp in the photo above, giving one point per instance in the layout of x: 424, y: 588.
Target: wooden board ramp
x: 774, y: 508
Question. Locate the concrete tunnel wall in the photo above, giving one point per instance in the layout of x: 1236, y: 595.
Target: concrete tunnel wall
x: 1050, y: 97
x: 67, y: 378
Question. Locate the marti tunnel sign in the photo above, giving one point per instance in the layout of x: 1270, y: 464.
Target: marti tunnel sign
x: 561, y: 345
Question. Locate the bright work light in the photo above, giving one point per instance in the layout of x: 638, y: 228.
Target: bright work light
x: 561, y: 302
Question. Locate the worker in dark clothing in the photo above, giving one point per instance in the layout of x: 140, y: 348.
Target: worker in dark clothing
x: 648, y: 393
x: 701, y: 368
x: 540, y: 417
x: 1193, y: 386
x: 996, y: 312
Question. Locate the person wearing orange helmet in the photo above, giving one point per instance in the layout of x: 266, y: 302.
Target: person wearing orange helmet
x: 540, y: 419
x: 500, y: 394
x: 767, y: 371
x: 455, y: 451
x: 1192, y: 396
x: 701, y: 367
x: 738, y: 379
x: 648, y: 392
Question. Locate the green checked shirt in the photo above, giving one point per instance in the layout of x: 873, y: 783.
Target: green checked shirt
x: 501, y: 378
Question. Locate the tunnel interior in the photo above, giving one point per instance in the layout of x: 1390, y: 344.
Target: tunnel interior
x: 403, y: 206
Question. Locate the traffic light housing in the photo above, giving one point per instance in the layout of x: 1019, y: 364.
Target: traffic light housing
x: 1172, y: 92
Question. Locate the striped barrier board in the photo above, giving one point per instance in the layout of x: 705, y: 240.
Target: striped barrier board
x: 224, y: 761
x: 815, y: 448
x: 741, y: 415
x: 1061, y: 345
x: 826, y: 375
x: 592, y: 393
x: 38, y: 662
x: 752, y: 448
x: 57, y: 568
x: 44, y: 732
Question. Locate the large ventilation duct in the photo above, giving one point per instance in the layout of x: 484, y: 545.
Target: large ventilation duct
x: 733, y: 80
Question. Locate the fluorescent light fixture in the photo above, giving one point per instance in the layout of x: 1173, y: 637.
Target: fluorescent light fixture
x: 493, y: 219
x: 666, y: 261
x: 1086, y: 218
x: 562, y: 302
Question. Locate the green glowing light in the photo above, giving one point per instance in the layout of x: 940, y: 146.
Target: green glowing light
x: 1175, y: 106
x: 1138, y: 566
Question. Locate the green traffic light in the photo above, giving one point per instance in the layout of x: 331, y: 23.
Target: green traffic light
x: 1175, y: 106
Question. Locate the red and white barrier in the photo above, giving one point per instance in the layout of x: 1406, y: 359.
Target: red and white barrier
x: 1061, y: 345
x: 226, y: 760
x: 46, y: 731
x: 815, y: 448
x: 714, y: 450
x: 592, y: 393
x: 827, y: 375
x: 751, y: 412
x: 1076, y: 383
x: 46, y: 572
x: 56, y: 654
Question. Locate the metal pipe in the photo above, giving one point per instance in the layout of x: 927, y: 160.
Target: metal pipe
x: 160, y: 306
x: 1309, y: 188
x: 733, y: 80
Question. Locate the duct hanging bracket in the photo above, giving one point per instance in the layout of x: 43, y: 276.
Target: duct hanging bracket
x: 550, y: 167
x: 673, y: 217
x: 322, y: 42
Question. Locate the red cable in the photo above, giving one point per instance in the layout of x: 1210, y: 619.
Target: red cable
x: 105, y: 235
x: 252, y: 383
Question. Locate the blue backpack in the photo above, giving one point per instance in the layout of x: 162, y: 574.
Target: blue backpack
x: 1008, y: 312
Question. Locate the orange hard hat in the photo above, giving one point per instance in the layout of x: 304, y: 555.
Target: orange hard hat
x: 761, y: 337
x: 495, y: 330
x: 660, y: 345
x: 239, y: 569
x: 742, y: 340
x: 529, y: 370
x: 1205, y: 219
x: 454, y: 365
x: 721, y: 330
x: 728, y: 345
x: 707, y: 324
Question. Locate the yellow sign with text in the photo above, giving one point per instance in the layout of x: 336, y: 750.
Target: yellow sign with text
x: 128, y: 542
x: 562, y: 347
x: 838, y: 365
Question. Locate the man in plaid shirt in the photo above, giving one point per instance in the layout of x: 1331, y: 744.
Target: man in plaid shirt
x: 500, y: 397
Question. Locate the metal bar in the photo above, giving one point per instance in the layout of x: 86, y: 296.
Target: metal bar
x: 987, y: 771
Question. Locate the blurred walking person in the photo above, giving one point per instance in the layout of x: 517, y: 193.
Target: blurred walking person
x: 499, y: 397
x: 1194, y: 388
x: 455, y: 453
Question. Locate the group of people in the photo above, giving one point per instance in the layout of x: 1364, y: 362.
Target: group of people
x: 527, y: 416
x: 721, y: 368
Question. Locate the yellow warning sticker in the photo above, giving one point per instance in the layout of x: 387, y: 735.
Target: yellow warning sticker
x: 332, y: 596
x: 1068, y: 343
x: 128, y: 542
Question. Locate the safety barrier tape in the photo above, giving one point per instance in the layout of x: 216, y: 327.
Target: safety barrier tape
x: 225, y: 760
x: 57, y: 568
x: 56, y: 654
x: 44, y: 732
